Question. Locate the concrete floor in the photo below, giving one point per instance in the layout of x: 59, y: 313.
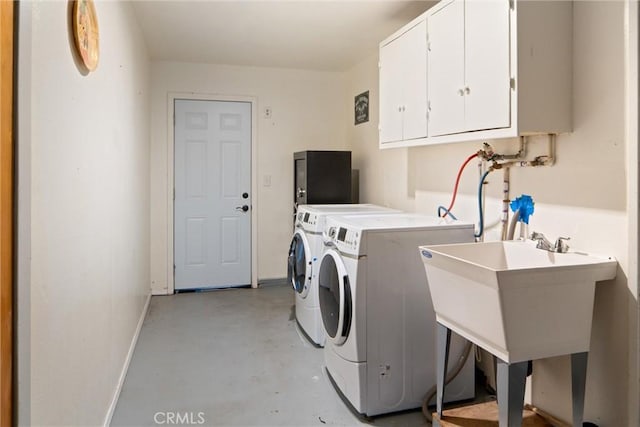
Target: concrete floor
x: 232, y: 357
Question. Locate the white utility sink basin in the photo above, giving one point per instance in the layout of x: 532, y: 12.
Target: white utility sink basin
x: 514, y: 300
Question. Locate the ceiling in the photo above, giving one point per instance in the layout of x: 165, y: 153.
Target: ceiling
x: 318, y: 35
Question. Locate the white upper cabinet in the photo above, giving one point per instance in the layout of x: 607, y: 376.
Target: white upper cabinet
x: 487, y: 82
x: 495, y: 69
x: 469, y: 79
x: 403, y: 84
x: 446, y: 69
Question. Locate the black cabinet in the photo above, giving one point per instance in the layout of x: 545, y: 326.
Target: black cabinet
x: 322, y: 177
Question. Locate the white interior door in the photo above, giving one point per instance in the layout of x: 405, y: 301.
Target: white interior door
x: 212, y: 206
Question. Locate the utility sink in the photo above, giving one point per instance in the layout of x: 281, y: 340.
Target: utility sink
x: 514, y: 300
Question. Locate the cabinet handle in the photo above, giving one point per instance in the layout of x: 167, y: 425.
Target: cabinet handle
x: 403, y: 108
x: 399, y: 109
x: 460, y: 92
x: 467, y: 90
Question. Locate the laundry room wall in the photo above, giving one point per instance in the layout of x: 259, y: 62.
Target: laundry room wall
x: 84, y: 141
x: 305, y: 116
x: 584, y: 196
x: 383, y: 173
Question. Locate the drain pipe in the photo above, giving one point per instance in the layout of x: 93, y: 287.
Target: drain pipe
x: 450, y: 376
x: 545, y: 160
x: 505, y: 203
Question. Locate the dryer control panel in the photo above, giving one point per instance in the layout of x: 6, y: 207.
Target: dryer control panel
x: 344, y: 239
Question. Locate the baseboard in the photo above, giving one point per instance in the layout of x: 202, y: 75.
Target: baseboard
x: 125, y: 367
x: 272, y: 282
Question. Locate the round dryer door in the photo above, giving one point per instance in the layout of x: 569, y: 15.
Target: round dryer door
x: 299, y: 264
x: 335, y: 297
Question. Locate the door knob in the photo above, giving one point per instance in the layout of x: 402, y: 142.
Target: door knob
x: 242, y: 208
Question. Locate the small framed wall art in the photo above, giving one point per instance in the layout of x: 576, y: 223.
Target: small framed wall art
x: 361, y: 108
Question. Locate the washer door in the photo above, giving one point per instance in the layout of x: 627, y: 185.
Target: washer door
x: 335, y: 297
x: 299, y: 264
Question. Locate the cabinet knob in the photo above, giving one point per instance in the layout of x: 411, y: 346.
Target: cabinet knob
x: 460, y: 92
x: 399, y: 108
x: 467, y: 90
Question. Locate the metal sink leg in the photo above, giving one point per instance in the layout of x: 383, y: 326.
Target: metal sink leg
x: 578, y: 383
x: 511, y: 384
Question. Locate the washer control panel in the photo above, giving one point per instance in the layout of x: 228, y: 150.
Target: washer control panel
x: 308, y: 221
x: 307, y: 218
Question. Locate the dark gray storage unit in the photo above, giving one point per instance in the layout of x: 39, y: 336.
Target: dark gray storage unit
x: 321, y: 177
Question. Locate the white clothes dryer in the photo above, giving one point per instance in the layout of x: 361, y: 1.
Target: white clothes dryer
x: 305, y: 251
x: 377, y: 312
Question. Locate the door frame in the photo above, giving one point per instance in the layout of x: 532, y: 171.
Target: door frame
x: 7, y: 212
x: 172, y: 97
x: 632, y: 120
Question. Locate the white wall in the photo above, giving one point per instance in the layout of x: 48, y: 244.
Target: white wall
x: 89, y: 197
x: 584, y: 196
x: 305, y: 116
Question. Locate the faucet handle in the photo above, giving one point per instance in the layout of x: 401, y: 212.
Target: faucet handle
x: 543, y: 243
x: 536, y: 236
x: 561, y: 244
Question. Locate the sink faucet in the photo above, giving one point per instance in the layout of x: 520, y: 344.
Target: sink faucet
x: 543, y: 243
x: 560, y: 246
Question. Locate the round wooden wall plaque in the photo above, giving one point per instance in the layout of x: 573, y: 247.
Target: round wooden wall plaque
x: 85, y: 32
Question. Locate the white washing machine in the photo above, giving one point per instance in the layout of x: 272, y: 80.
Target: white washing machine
x: 377, y: 312
x: 305, y: 251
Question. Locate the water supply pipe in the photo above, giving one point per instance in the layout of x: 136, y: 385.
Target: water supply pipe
x: 479, y: 234
x: 545, y: 160
x: 447, y: 211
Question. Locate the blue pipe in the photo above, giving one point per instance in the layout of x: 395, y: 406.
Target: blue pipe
x: 480, y: 187
x: 447, y: 212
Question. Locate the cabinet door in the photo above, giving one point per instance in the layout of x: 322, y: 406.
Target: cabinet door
x: 487, y: 75
x: 391, y: 91
x: 414, y: 58
x: 445, y: 60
